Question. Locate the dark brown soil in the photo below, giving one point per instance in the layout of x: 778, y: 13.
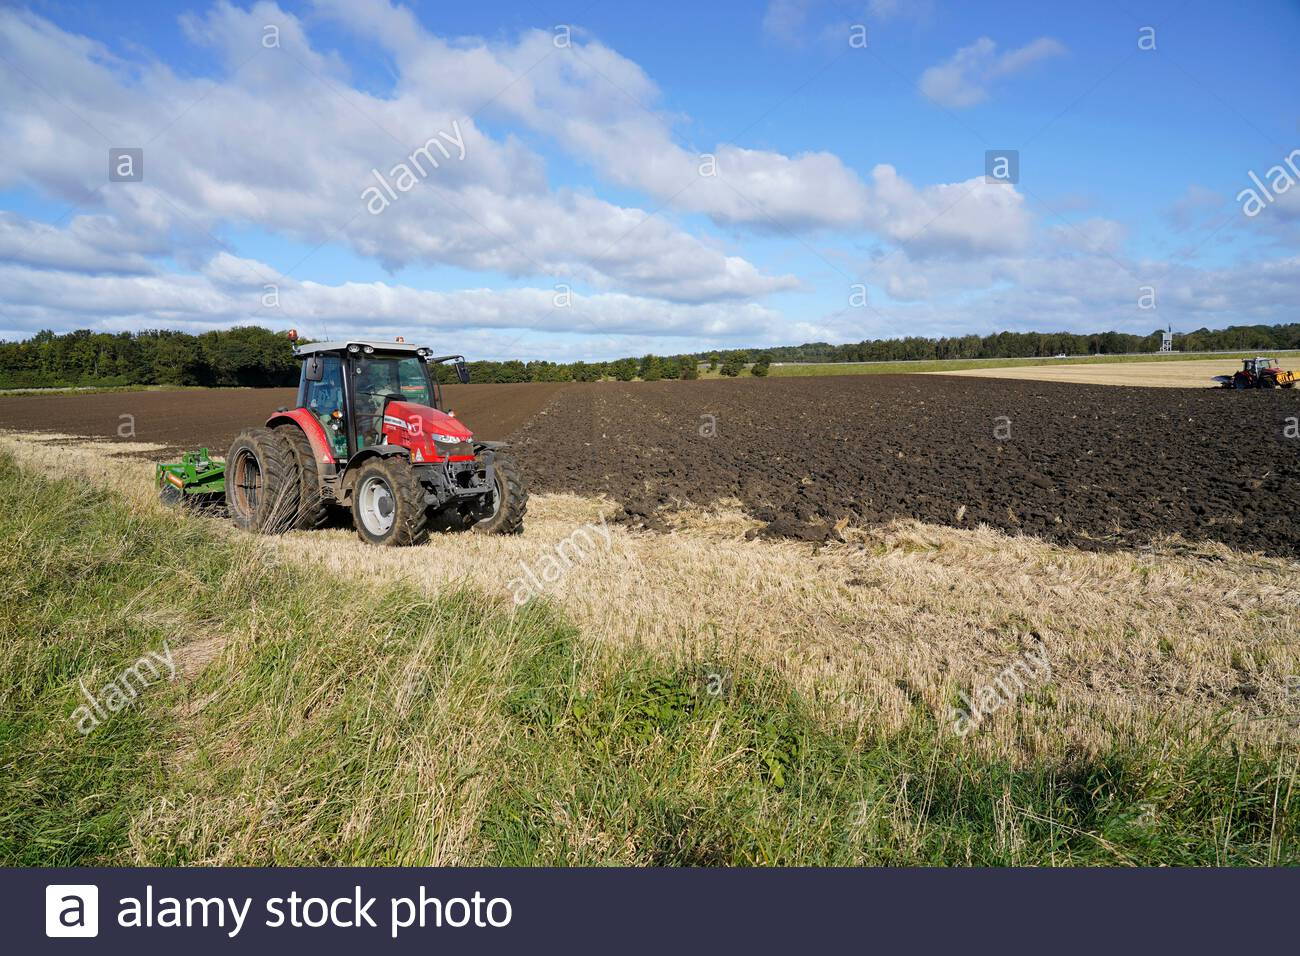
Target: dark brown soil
x: 212, y: 417
x: 1095, y: 466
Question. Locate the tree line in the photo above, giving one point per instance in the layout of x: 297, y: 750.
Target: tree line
x: 257, y: 357
x: 1237, y: 338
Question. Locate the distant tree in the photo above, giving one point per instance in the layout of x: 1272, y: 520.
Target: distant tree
x: 651, y: 369
x: 733, y: 366
x: 175, y: 361
x: 714, y: 359
x: 760, y: 367
x: 690, y: 369
x: 624, y: 370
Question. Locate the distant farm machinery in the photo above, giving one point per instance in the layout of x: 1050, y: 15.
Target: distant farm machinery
x: 1259, y: 372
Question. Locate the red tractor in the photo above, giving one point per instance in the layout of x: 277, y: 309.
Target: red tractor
x: 1259, y: 373
x: 369, y: 434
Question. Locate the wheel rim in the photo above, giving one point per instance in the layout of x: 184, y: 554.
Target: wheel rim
x: 499, y: 493
x: 376, y: 505
x: 248, y: 481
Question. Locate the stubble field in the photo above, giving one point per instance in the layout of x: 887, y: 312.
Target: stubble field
x: 1190, y: 373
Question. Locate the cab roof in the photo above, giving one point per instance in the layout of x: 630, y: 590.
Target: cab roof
x: 400, y: 348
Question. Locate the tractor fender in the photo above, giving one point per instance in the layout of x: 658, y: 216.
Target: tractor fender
x: 320, y: 445
x: 374, y: 451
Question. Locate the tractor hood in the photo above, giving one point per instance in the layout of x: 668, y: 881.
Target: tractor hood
x: 435, y: 435
x: 431, y: 421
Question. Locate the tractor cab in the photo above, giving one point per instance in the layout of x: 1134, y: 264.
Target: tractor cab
x: 1257, y: 365
x: 364, y: 394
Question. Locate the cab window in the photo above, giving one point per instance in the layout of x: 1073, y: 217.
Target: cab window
x: 379, y: 380
x: 325, y: 397
x: 412, y: 382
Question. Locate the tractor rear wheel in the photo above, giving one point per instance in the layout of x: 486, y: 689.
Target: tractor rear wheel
x: 261, y: 482
x: 313, y: 507
x: 510, y: 501
x: 388, y: 503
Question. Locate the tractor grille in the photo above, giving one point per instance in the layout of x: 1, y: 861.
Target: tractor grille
x: 467, y: 476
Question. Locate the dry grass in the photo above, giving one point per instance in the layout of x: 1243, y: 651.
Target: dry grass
x: 895, y: 620
x: 1194, y: 373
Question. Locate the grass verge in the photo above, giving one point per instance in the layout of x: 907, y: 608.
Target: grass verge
x: 319, y: 719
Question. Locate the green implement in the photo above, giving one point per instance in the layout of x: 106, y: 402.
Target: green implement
x: 195, y: 478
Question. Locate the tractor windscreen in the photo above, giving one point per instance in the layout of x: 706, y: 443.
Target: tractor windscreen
x: 392, y: 377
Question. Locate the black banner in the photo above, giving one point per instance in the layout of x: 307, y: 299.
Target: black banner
x: 667, y: 912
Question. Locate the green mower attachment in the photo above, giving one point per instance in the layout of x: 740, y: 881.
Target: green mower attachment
x: 195, y: 478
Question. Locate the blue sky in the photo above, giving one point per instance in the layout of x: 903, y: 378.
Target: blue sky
x: 628, y: 178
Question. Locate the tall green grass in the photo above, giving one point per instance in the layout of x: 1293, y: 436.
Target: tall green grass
x: 355, y: 721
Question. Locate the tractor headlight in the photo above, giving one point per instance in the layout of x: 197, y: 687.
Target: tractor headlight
x: 354, y: 348
x: 370, y: 349
x: 444, y: 439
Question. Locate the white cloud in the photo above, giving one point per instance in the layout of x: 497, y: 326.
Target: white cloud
x: 230, y: 290
x: 602, y: 108
x: 284, y: 143
x: 972, y: 217
x: 1096, y: 235
x: 1074, y: 278
x: 965, y: 79
x: 86, y: 246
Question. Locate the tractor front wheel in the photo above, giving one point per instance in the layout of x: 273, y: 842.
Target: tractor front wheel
x: 388, y: 504
x: 509, y: 502
x: 261, y: 482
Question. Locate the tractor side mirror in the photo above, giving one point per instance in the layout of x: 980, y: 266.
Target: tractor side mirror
x: 314, y: 371
x: 462, y: 372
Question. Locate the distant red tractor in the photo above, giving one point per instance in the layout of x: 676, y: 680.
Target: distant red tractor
x: 369, y: 433
x: 1259, y: 373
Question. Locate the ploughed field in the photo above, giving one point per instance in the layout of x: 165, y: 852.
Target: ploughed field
x: 1094, y: 466
x: 193, y: 418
